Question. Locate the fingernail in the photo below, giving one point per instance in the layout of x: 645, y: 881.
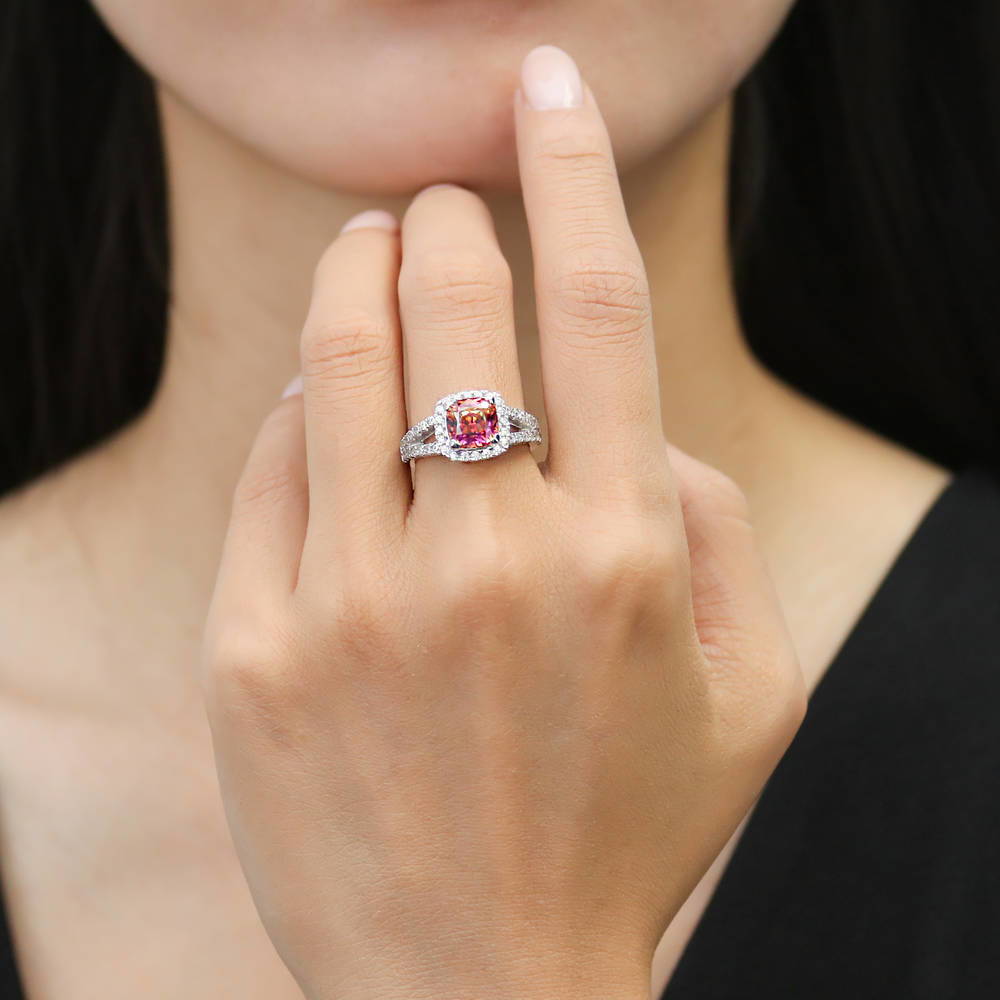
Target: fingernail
x: 550, y: 79
x: 293, y: 388
x: 373, y: 218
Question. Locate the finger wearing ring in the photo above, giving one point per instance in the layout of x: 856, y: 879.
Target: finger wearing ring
x: 468, y: 426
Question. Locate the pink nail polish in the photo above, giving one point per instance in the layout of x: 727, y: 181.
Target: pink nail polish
x: 372, y: 218
x: 550, y: 79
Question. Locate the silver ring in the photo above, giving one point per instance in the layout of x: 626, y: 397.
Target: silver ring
x: 468, y: 426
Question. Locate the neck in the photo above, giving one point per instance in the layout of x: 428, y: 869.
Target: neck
x: 244, y: 237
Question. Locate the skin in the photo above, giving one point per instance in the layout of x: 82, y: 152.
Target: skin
x: 312, y: 102
x: 117, y: 860
x: 432, y: 684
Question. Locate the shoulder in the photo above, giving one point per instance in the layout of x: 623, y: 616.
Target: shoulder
x: 960, y: 536
x: 902, y: 733
x: 926, y: 651
x: 941, y: 602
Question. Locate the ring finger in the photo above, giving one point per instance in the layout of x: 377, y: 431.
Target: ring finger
x: 456, y: 309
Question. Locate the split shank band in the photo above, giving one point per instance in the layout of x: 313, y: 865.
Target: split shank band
x: 468, y: 426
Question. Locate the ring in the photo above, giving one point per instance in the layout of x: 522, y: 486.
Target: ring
x: 468, y: 426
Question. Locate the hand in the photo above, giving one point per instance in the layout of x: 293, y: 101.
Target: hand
x: 480, y: 737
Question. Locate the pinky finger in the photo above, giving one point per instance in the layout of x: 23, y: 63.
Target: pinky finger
x: 737, y: 612
x: 263, y: 546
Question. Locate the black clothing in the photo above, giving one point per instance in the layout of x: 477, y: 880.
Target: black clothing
x: 870, y: 867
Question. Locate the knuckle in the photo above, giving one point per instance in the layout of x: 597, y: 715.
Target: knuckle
x: 268, y: 486
x: 491, y: 576
x: 601, y: 296
x: 362, y: 631
x: 639, y: 564
x: 789, y: 707
x: 760, y: 703
x: 721, y: 496
x: 780, y: 686
x: 577, y: 152
x: 349, y: 347
x: 769, y: 727
x: 246, y: 672
x: 458, y: 285
x: 355, y: 617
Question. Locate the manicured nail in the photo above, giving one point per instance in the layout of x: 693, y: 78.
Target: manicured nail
x: 294, y: 388
x: 374, y: 218
x: 550, y: 79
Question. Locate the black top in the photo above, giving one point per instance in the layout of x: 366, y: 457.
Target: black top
x: 870, y: 867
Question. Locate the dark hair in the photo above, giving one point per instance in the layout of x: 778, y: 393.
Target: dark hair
x: 865, y: 189
x: 83, y: 248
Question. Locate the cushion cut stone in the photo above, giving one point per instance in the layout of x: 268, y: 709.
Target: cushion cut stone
x: 472, y: 422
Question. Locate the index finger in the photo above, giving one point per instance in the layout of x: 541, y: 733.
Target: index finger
x: 594, y: 315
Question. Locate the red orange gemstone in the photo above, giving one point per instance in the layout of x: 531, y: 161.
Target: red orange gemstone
x: 472, y: 422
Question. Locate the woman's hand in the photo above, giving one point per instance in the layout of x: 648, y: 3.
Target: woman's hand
x: 480, y: 737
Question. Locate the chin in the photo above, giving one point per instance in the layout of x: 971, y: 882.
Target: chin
x: 431, y: 134
x: 387, y: 96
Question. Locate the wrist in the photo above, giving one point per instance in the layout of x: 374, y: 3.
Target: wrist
x: 527, y: 977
